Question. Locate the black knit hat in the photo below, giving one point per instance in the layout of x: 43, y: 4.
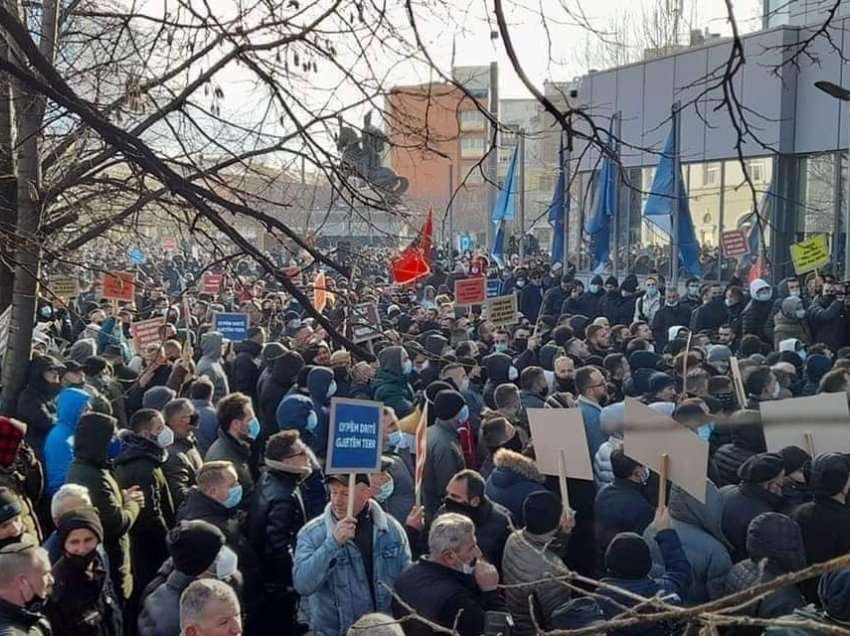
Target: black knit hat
x: 448, y: 404
x: 795, y: 458
x: 80, y: 518
x: 612, y: 280
x: 542, y: 512
x: 762, y: 467
x: 194, y: 545
x: 628, y: 556
x: 94, y: 365
x: 830, y: 472
x: 10, y: 505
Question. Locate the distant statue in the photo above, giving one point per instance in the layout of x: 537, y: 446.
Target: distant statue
x: 363, y: 157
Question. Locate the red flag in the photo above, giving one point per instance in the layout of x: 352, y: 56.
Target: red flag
x: 320, y: 294
x: 425, y: 236
x: 414, y: 262
x: 421, y: 453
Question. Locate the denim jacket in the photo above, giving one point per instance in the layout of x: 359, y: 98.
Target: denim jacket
x: 333, y: 577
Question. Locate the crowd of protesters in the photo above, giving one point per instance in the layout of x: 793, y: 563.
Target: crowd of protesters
x: 178, y: 488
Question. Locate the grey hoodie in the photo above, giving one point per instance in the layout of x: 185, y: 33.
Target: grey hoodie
x: 82, y: 350
x: 210, y: 364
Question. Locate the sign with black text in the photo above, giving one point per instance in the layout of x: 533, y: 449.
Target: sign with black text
x: 354, y: 436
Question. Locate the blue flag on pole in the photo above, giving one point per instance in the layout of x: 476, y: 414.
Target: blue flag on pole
x: 659, y: 206
x: 559, y: 208
x: 604, y: 209
x: 505, y: 207
x: 498, y: 251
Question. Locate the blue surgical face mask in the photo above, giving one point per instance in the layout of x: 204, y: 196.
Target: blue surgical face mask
x: 463, y: 416
x: 594, y: 289
x: 704, y: 431
x: 254, y: 428
x: 312, y: 421
x: 234, y: 496
x: 513, y: 374
x: 394, y: 439
x: 385, y: 491
x: 407, y: 367
x: 500, y: 347
x: 332, y: 389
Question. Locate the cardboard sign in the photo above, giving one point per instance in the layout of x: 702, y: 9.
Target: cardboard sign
x: 169, y: 244
x: 810, y: 254
x: 119, y: 286
x: 365, y: 322
x: 649, y: 436
x: 233, y: 326
x: 502, y: 310
x: 354, y: 436
x: 146, y: 332
x: 471, y: 291
x: 211, y: 283
x: 817, y: 424
x: 494, y: 286
x: 734, y: 243
x: 64, y: 287
x: 556, y: 430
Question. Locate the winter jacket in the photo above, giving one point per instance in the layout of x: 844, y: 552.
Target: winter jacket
x: 207, y: 425
x: 36, y: 406
x: 59, y: 445
x: 742, y: 504
x: 825, y: 526
x: 585, y: 305
x: 401, y: 501
x: 610, y: 306
x: 709, y: 316
x: 672, y: 586
x: 530, y: 301
x: 160, y: 615
x: 552, y: 301
x: 775, y: 547
x: 210, y: 364
x: 755, y: 319
x: 621, y: 506
x: 514, y: 477
x: 17, y: 621
x: 667, y: 317
x: 786, y: 324
x: 492, y: 528
x: 590, y: 414
x: 333, y: 576
x: 532, y: 558
x: 443, y: 461
x: 275, y: 517
x: 84, y: 603
x: 318, y: 383
x: 393, y: 390
x: 181, y: 467
x: 699, y: 528
x: 245, y: 370
x: 828, y: 321
x: 747, y: 440
x: 117, y: 515
x: 284, y: 372
x: 444, y: 596
x: 140, y: 464
x: 228, y: 448
x: 646, y: 307
x: 603, y: 473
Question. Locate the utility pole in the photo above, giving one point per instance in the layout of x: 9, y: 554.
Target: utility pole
x: 521, y: 193
x: 493, y: 163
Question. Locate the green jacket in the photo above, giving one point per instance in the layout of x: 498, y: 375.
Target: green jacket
x: 393, y: 390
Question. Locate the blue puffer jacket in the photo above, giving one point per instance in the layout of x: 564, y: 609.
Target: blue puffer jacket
x: 59, y: 445
x: 514, y: 477
x: 333, y: 576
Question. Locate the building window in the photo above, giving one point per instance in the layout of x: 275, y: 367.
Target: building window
x: 471, y: 120
x: 471, y: 147
x: 756, y: 170
x: 710, y: 174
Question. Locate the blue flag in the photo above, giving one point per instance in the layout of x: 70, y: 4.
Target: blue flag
x: 558, y: 211
x: 659, y: 206
x: 604, y: 209
x: 505, y: 207
x: 498, y: 251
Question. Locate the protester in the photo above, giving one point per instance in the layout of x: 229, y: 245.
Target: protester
x: 210, y: 608
x: 25, y: 583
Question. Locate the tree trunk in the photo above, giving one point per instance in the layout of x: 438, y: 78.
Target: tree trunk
x: 8, y: 186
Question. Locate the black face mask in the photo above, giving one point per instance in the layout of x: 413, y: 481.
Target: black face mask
x: 520, y: 344
x: 462, y: 509
x: 566, y: 385
x: 80, y: 561
x: 543, y: 391
x: 341, y: 375
x: 514, y: 444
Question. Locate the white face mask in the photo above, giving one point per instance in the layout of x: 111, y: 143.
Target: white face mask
x: 226, y: 563
x: 464, y: 385
x: 165, y: 437
x: 776, y: 390
x: 513, y: 374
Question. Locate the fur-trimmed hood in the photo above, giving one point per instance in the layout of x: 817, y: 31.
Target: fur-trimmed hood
x: 516, y: 463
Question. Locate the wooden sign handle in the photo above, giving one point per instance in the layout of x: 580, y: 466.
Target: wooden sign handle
x: 562, y: 481
x: 810, y: 444
x: 662, y: 482
x: 352, y: 482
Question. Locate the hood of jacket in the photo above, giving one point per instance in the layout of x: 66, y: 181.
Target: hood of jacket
x: 293, y: 412
x: 82, y: 350
x: 757, y: 285
x: 105, y: 336
x: 507, y: 462
x: 749, y: 436
x: 253, y: 349
x: 708, y: 516
x: 789, y: 307
x: 137, y: 447
x: 92, y: 438
x: 318, y: 381
x: 390, y: 359
x: 435, y: 344
x: 70, y: 404
x: 547, y: 356
x: 285, y: 369
x: 778, y: 539
x: 35, y: 375
x: 211, y: 343
x: 497, y: 365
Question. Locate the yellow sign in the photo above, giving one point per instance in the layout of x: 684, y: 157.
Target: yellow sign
x: 502, y: 310
x: 810, y: 254
x: 64, y: 287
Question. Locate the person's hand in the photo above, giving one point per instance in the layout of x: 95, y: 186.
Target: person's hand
x: 532, y: 343
x: 568, y: 521
x: 662, y: 519
x: 134, y: 493
x: 486, y: 576
x: 345, y: 529
x: 416, y: 518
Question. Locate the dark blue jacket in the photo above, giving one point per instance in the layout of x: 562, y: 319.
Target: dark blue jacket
x: 514, y: 477
x: 530, y: 300
x: 621, y: 507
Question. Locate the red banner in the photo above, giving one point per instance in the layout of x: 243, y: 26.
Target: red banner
x: 119, y: 286
x: 211, y: 283
x: 471, y: 291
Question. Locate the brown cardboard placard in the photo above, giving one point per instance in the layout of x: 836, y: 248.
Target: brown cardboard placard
x: 649, y: 436
x: 554, y: 430
x: 821, y: 420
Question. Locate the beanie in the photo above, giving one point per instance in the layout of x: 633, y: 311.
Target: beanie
x: 157, y: 397
x: 94, y: 365
x: 11, y: 434
x: 659, y: 381
x: 795, y: 458
x: 86, y: 518
x: 542, y: 512
x: 10, y: 505
x: 830, y: 472
x: 718, y: 353
x: 448, y: 404
x: 612, y: 280
x: 628, y: 556
x: 194, y: 545
x: 761, y: 468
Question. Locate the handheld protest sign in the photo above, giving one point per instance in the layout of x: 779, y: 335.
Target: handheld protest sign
x: 119, y: 286
x: 470, y: 291
x: 502, y: 310
x: 650, y: 435
x: 560, y: 433
x: 146, y: 332
x: 493, y: 287
x: 738, y: 382
x: 818, y: 423
x: 232, y: 326
x: 811, y: 254
x: 65, y: 288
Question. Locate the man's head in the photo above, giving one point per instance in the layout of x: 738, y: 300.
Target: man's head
x: 257, y: 334
x: 671, y: 296
x: 624, y: 467
x: 150, y: 424
x: 25, y: 575
x: 338, y: 489
x: 762, y: 384
x: 218, y: 481
x: 181, y: 417
x: 457, y: 374
x: 598, y: 336
x: 375, y: 624
x: 507, y: 399
x: 209, y: 607
x: 591, y: 384
x: 725, y: 335
x: 68, y: 497
x: 640, y: 329
x: 451, y: 542
x: 287, y: 452
x: 564, y: 367
x: 11, y: 524
x: 533, y: 380
x: 692, y: 286
x: 766, y: 470
x: 73, y: 374
x: 201, y: 389
x: 501, y: 341
x: 79, y: 532
x: 236, y: 417
x: 464, y: 492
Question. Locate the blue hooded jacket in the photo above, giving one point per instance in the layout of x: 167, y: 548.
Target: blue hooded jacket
x: 318, y: 383
x: 71, y: 403
x: 111, y: 333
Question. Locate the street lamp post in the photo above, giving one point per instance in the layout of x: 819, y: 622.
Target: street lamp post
x: 842, y: 94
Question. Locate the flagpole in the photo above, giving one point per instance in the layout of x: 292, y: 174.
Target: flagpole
x: 521, y: 194
x: 565, y: 157
x: 616, y: 148
x: 677, y: 176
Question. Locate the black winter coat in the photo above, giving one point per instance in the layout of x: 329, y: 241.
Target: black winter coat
x: 284, y: 372
x: 36, y: 406
x: 667, y: 317
x: 585, y: 305
x: 755, y: 319
x: 742, y: 504
x: 492, y: 528
x: 181, y: 467
x: 16, y: 621
x: 84, y: 603
x: 244, y: 372
x: 227, y: 448
x: 825, y: 524
x: 552, y: 302
x: 620, y: 506
x: 828, y: 321
x: 709, y: 316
